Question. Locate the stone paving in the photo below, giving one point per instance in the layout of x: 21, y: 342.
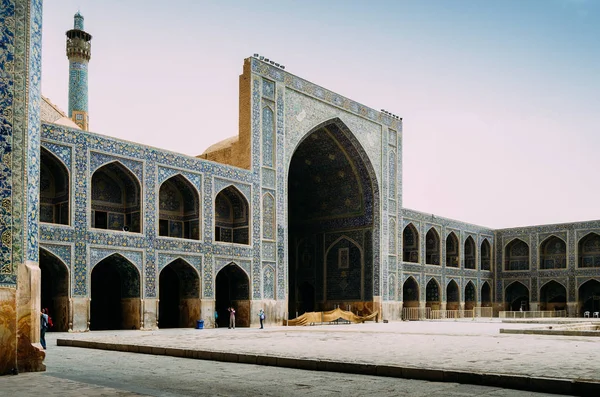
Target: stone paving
x: 74, y: 372
x: 470, y: 346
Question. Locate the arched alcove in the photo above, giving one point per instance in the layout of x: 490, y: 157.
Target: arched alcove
x: 486, y: 255
x: 410, y: 244
x: 452, y: 258
x: 589, y: 250
x: 115, y: 293
x: 232, y: 289
x: 553, y: 296
x: 179, y: 295
x: 516, y: 297
x: 410, y: 293
x: 432, y: 247
x: 486, y: 295
x: 432, y: 295
x: 469, y: 253
x: 332, y: 188
x: 178, y: 209
x: 589, y: 297
x: 232, y: 217
x: 470, y: 296
x: 55, y: 289
x: 516, y: 255
x: 553, y: 253
x: 452, y: 296
x: 116, y: 199
x: 54, y: 189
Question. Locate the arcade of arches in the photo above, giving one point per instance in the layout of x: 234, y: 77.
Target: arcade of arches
x: 331, y: 224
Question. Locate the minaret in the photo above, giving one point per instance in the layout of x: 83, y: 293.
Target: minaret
x: 79, y: 54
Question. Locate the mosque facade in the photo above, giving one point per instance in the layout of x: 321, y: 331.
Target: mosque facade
x: 301, y: 211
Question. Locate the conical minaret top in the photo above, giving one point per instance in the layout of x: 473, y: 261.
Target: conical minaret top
x: 79, y: 54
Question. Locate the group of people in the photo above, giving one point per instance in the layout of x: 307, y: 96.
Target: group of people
x: 231, y: 310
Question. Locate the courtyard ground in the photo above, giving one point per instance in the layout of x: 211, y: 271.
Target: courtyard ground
x: 470, y: 352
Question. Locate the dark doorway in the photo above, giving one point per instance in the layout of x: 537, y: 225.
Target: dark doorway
x: 452, y: 296
x: 432, y: 294
x: 233, y: 289
x: 55, y: 290
x: 589, y: 297
x: 486, y: 295
x: 410, y: 293
x: 115, y: 295
x: 179, y: 296
x: 553, y: 296
x: 470, y: 296
x: 517, y: 297
x: 307, y: 298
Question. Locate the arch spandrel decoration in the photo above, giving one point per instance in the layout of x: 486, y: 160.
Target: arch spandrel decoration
x: 165, y: 173
x: 220, y: 184
x: 166, y: 258
x: 62, y: 152
x: 62, y: 252
x: 98, y: 160
x: 99, y: 254
x: 244, y: 264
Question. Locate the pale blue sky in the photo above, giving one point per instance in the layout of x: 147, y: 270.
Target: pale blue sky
x: 500, y: 99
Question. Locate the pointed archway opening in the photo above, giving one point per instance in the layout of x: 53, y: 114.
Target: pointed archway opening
x: 332, y: 189
x: 516, y: 255
x: 232, y: 289
x: 553, y: 296
x: 432, y: 295
x: 232, y: 217
x: 470, y: 296
x: 54, y: 190
x: 452, y: 296
x: 516, y: 297
x: 115, y: 295
x: 410, y: 244
x: 589, y: 297
x: 179, y: 295
x: 432, y: 247
x: 589, y: 251
x: 553, y: 253
x: 469, y: 253
x: 178, y: 209
x: 452, y: 259
x: 410, y: 293
x: 55, y: 290
x: 486, y: 295
x: 116, y: 199
x: 486, y: 256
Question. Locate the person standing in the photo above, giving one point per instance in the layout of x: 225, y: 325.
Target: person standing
x: 261, y: 316
x: 216, y: 319
x: 231, y: 317
x: 43, y: 328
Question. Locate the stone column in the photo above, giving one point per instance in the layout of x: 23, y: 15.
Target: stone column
x: 443, y: 306
x: 80, y: 307
x: 572, y: 309
x: 150, y: 309
x: 207, y: 312
x: 534, y: 306
x: 422, y: 309
x: 20, y: 58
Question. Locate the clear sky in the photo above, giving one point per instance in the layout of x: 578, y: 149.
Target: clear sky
x: 500, y: 99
